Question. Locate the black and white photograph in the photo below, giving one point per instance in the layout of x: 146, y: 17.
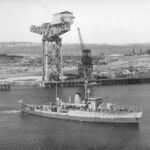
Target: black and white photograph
x: 74, y: 74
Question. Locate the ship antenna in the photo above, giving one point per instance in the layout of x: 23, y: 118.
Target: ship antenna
x: 141, y: 108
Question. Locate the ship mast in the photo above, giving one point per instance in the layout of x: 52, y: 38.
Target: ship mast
x: 85, y: 88
x: 56, y: 90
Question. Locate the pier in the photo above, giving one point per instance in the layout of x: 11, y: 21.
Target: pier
x: 102, y: 82
x: 5, y: 87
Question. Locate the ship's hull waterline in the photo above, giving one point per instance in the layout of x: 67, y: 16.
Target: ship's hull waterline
x: 133, y: 118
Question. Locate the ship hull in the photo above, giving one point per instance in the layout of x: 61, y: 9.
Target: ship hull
x: 85, y: 118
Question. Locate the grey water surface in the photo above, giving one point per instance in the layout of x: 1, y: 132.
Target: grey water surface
x: 25, y: 132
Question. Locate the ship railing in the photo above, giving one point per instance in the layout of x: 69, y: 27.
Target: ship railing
x: 119, y: 108
x: 129, y: 108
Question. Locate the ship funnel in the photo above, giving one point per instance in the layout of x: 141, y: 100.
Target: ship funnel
x: 77, y: 98
x: 58, y: 101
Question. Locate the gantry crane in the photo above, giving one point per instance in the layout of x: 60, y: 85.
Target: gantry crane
x: 85, y: 68
x: 52, y: 45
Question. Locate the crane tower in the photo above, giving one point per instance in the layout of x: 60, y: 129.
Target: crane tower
x: 85, y: 68
x: 52, y: 43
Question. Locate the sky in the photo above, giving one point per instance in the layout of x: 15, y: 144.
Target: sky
x: 100, y: 21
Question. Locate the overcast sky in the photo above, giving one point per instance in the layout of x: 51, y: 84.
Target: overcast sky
x: 100, y: 21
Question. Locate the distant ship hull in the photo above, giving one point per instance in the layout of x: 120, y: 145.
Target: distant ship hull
x: 89, y: 116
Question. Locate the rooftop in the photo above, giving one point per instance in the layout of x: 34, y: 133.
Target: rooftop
x: 65, y: 12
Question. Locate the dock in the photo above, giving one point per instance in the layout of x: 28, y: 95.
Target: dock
x: 7, y: 86
x: 102, y: 82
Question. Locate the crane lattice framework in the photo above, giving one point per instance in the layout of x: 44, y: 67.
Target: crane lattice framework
x: 52, y: 44
x: 85, y: 68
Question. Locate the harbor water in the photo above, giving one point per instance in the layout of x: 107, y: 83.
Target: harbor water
x: 25, y: 132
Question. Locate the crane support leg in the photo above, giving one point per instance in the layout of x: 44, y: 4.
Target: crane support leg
x: 52, y: 59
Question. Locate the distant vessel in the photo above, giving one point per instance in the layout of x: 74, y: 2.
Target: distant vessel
x: 89, y: 110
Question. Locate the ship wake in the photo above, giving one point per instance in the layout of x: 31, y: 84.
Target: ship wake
x: 9, y: 109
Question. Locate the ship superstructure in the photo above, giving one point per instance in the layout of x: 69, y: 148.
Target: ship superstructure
x: 89, y: 109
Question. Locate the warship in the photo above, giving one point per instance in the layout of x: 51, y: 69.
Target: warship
x: 89, y: 109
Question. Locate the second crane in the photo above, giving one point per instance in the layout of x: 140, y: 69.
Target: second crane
x: 85, y: 68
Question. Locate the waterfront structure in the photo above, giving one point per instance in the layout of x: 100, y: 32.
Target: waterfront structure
x: 85, y: 68
x: 52, y: 43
